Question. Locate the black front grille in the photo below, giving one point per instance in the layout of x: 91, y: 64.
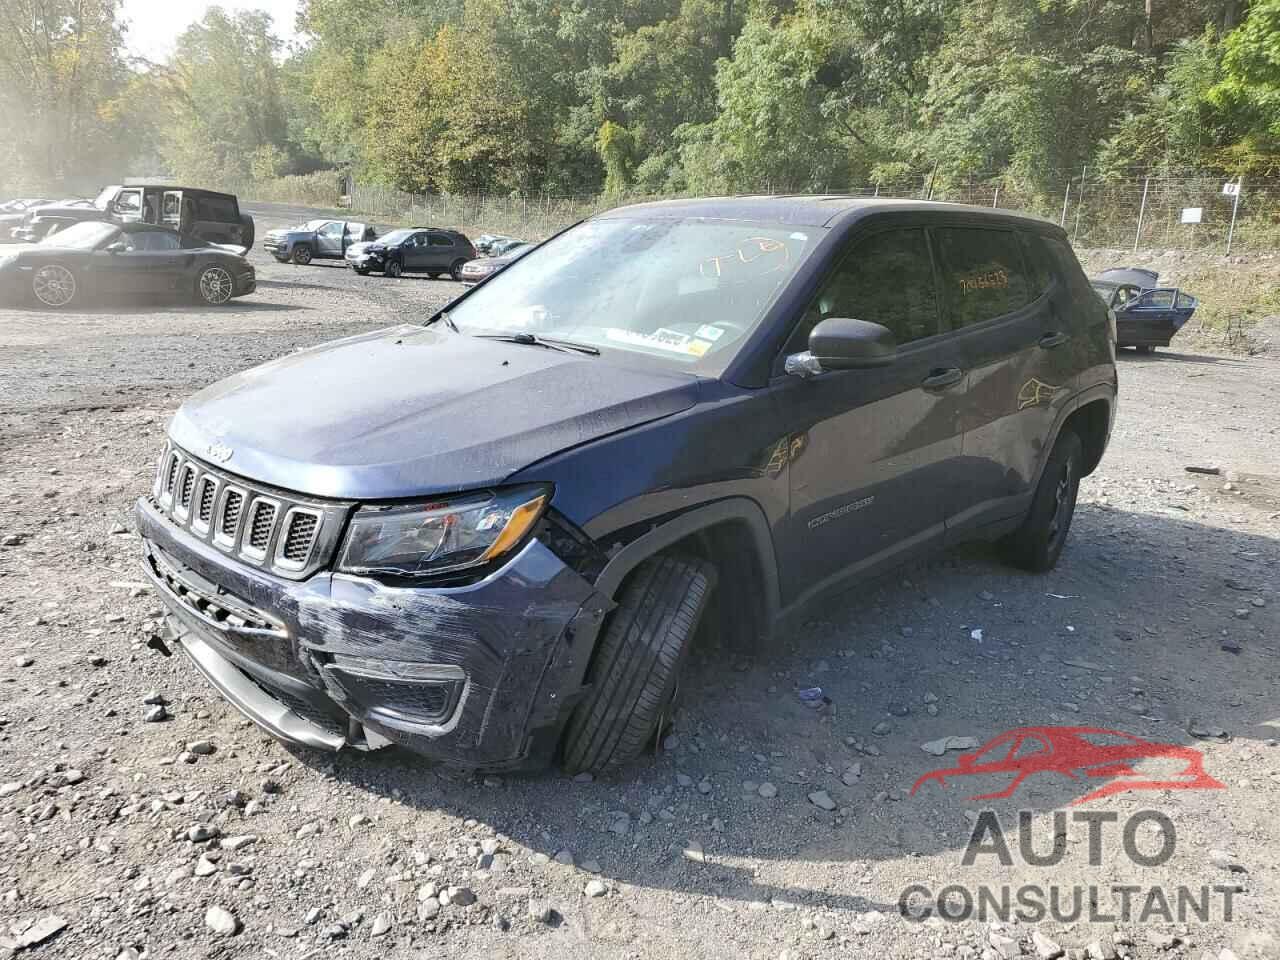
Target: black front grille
x: 290, y: 535
x: 297, y: 543
x: 204, y: 513
x: 231, y: 513
x: 264, y: 518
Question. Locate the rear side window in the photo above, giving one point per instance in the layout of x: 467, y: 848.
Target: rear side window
x: 440, y: 240
x: 982, y: 272
x: 1040, y: 265
x: 218, y: 209
x: 887, y: 279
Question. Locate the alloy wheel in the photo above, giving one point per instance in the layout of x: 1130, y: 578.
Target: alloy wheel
x: 1063, y: 503
x: 216, y: 285
x: 54, y: 285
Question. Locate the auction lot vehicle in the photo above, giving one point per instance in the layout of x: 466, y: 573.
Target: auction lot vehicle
x: 1147, y: 315
x: 316, y: 240
x: 90, y: 260
x: 482, y: 268
x: 427, y: 250
x: 492, y: 538
x: 214, y: 217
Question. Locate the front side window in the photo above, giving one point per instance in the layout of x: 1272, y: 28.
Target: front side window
x: 331, y: 231
x: 886, y: 279
x: 90, y: 235
x: 982, y: 272
x: 1156, y: 299
x: 685, y: 291
x: 129, y: 201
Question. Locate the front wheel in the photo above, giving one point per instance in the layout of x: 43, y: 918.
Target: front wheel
x: 215, y: 286
x: 455, y: 271
x: 54, y: 285
x: 302, y: 255
x: 393, y: 269
x: 1037, y: 544
x: 632, y: 677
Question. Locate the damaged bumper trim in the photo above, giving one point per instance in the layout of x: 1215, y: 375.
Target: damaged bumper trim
x: 254, y: 702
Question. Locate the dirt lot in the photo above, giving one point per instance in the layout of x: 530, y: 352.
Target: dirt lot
x: 1162, y: 619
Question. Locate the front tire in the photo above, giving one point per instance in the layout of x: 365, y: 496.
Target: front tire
x: 1038, y: 543
x: 215, y: 285
x: 54, y: 285
x: 633, y: 674
x: 393, y: 269
x: 301, y: 255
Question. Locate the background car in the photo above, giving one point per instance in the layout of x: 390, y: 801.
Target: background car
x: 212, y: 216
x: 1147, y: 315
x: 505, y: 245
x: 482, y: 268
x: 92, y: 260
x: 316, y: 240
x: 429, y: 250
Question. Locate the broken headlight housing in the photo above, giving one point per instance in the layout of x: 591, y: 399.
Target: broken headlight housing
x: 444, y: 536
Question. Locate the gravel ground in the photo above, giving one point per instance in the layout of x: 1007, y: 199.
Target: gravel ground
x: 764, y: 828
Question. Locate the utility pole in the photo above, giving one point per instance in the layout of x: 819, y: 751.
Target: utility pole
x: 1142, y: 212
x: 1235, y: 206
x: 1084, y: 172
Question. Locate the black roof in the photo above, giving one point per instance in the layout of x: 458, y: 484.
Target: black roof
x: 804, y: 210
x: 174, y: 187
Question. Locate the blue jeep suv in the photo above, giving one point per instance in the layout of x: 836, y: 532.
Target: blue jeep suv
x: 491, y: 537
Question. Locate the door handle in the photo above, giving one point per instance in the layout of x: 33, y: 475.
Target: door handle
x: 942, y: 377
x: 1051, y: 340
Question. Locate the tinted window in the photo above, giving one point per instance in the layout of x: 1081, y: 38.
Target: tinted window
x: 218, y: 209
x: 440, y: 240
x: 1156, y: 298
x: 1039, y: 264
x: 153, y: 240
x: 982, y: 273
x: 886, y: 279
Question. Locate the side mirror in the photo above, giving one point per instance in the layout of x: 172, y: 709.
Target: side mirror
x: 838, y: 343
x: 118, y: 247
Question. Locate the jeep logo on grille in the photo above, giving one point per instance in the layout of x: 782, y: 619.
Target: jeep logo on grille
x: 219, y: 451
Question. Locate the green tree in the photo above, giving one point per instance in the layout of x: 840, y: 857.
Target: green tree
x: 224, y: 89
x: 1250, y: 91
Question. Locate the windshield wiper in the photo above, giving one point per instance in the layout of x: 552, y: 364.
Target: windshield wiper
x: 551, y: 343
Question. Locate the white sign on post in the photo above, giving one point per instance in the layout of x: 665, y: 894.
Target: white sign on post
x: 1231, y: 189
x: 1192, y: 214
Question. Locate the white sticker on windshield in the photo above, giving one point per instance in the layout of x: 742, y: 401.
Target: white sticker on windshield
x: 660, y: 339
x: 708, y: 332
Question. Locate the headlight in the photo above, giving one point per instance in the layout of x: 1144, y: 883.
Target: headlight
x: 8, y: 261
x: 424, y: 539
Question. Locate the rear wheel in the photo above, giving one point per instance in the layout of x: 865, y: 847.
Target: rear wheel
x: 215, y: 286
x: 455, y: 270
x: 54, y: 285
x: 302, y: 254
x: 633, y: 674
x: 393, y: 268
x: 1037, y: 544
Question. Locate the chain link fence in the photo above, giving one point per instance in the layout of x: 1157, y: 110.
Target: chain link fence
x: 1188, y: 213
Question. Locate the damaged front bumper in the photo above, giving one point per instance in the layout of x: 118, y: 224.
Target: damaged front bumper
x: 482, y: 675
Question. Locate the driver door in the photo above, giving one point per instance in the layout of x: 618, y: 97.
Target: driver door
x: 329, y: 240
x: 873, y: 451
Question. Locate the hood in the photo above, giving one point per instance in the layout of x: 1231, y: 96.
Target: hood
x: 285, y: 231
x: 356, y: 249
x: 412, y: 410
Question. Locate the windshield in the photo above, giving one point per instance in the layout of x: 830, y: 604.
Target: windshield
x: 687, y: 291
x: 395, y: 236
x: 311, y: 226
x: 82, y: 236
